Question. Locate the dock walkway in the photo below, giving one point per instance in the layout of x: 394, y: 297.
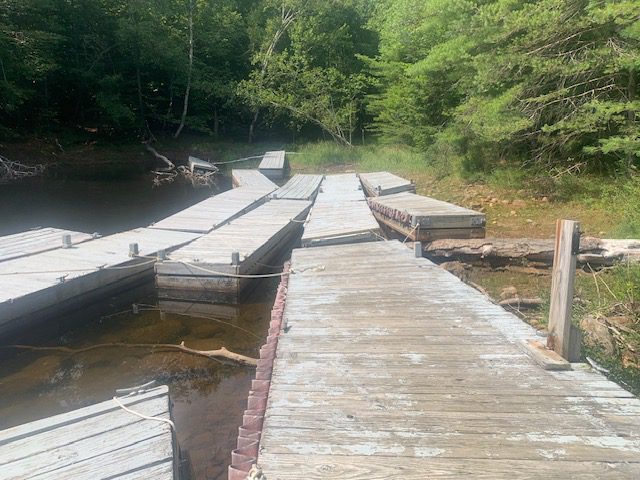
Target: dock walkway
x: 36, y: 241
x: 340, y: 214
x: 300, y: 187
x: 38, y: 286
x: 101, y: 441
x: 384, y: 183
x: 274, y: 165
x: 389, y: 367
x: 251, y: 179
x: 215, y: 211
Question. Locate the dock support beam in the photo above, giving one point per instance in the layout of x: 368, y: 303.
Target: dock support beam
x: 564, y: 339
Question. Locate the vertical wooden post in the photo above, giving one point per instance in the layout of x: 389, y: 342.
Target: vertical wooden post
x: 134, y: 251
x: 235, y: 258
x: 161, y: 255
x: 417, y: 249
x: 564, y: 271
x: 66, y: 241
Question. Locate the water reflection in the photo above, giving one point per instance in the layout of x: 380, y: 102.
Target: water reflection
x: 208, y: 396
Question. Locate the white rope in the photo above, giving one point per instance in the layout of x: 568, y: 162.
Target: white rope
x: 410, y: 233
x: 146, y: 417
x: 234, y: 275
x: 254, y: 157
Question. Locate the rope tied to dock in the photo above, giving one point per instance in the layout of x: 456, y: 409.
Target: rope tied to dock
x: 146, y: 417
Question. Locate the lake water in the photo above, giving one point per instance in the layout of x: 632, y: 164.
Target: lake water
x: 208, y: 397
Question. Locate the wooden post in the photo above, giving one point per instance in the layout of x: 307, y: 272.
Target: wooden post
x: 161, y: 255
x: 417, y: 249
x: 235, y: 258
x: 66, y: 241
x: 133, y: 250
x: 567, y: 245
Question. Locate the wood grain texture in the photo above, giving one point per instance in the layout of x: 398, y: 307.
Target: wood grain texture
x: 384, y: 183
x: 215, y: 211
x: 98, y: 441
x: 300, y: 187
x: 274, y: 164
x: 36, y: 241
x: 252, y: 179
x: 389, y: 367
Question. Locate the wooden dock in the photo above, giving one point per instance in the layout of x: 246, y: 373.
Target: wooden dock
x: 35, y: 287
x: 102, y: 441
x: 300, y: 187
x: 214, y: 211
x: 274, y: 165
x: 389, y: 367
x: 340, y: 214
x: 377, y: 184
x: 420, y: 218
x: 211, y: 268
x: 39, y: 240
x: 251, y: 179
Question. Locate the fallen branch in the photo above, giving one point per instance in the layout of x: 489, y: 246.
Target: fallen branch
x: 521, y: 303
x: 505, y: 251
x: 211, y: 354
x: 10, y: 170
x: 169, y: 164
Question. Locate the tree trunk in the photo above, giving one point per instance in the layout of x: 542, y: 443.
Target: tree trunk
x: 216, y: 123
x: 504, y: 251
x: 189, y: 72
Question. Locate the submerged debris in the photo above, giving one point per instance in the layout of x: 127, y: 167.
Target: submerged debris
x: 10, y: 170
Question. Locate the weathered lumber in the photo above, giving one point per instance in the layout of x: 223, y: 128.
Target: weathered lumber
x: 501, y: 251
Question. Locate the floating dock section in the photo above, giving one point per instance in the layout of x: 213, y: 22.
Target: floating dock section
x: 212, y: 267
x: 377, y: 184
x: 102, y: 441
x: 274, y: 165
x: 423, y: 219
x: 340, y: 214
x: 300, y: 187
x: 52, y: 282
x: 39, y: 240
x: 214, y: 211
x: 389, y: 367
x: 251, y: 179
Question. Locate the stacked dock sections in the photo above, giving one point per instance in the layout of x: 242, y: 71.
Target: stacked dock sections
x: 214, y: 211
x: 251, y: 179
x: 421, y: 218
x: 300, y: 187
x: 274, y: 165
x: 340, y: 214
x: 384, y: 183
x: 97, y: 442
x: 220, y: 265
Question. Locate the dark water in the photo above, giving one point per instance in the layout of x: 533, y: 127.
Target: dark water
x: 93, y: 206
x: 208, y: 397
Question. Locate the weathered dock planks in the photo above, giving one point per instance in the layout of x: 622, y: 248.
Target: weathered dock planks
x: 389, y: 367
x: 300, y: 187
x: 274, y: 165
x: 206, y: 269
x: 420, y: 218
x: 38, y: 240
x: 214, y: 211
x: 35, y: 287
x: 340, y: 214
x: 251, y: 179
x: 96, y: 442
x: 384, y: 183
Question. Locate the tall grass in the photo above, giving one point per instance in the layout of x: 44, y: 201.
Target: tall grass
x: 395, y: 159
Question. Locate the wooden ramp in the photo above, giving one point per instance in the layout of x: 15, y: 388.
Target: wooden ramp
x: 214, y: 211
x: 420, y: 218
x: 274, y: 165
x: 251, y: 179
x: 49, y: 283
x: 101, y: 441
x: 389, y: 367
x: 377, y: 184
x: 300, y: 187
x: 206, y: 269
x: 340, y: 214
x: 36, y: 241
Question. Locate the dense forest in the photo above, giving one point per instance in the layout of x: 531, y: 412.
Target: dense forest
x: 550, y: 83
